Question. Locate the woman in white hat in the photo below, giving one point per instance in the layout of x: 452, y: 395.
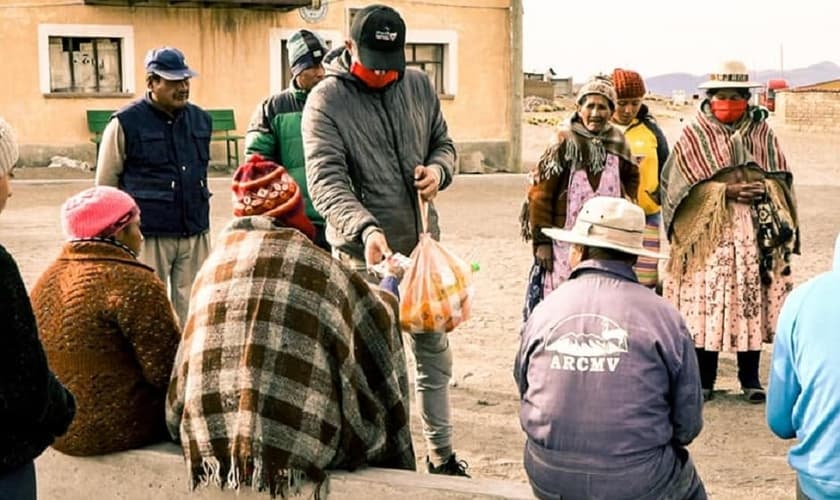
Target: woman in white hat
x: 730, y: 215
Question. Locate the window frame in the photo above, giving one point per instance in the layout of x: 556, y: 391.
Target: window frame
x: 421, y: 62
x: 278, y: 81
x: 124, y: 32
x: 448, y: 39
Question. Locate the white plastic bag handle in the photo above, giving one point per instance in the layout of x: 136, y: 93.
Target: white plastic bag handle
x: 424, y: 212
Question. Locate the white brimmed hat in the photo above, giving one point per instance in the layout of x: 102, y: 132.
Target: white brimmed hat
x: 608, y: 222
x: 730, y: 75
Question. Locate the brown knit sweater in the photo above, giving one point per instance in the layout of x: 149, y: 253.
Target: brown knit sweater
x: 110, y: 335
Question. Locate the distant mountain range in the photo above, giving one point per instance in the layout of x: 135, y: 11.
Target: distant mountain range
x: 816, y: 73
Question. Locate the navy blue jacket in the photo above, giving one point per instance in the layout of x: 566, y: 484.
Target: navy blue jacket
x: 165, y: 168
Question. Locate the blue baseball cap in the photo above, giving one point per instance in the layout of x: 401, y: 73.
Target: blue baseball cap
x: 168, y: 63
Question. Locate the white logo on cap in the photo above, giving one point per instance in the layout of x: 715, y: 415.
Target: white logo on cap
x: 387, y: 36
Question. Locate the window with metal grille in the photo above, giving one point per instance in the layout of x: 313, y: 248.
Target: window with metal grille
x: 85, y: 65
x: 427, y: 57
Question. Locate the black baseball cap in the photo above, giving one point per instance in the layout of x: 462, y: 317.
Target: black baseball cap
x: 379, y: 33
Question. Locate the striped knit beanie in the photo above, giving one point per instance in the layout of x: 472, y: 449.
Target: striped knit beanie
x: 9, y: 153
x: 262, y: 187
x: 628, y: 84
x: 305, y: 49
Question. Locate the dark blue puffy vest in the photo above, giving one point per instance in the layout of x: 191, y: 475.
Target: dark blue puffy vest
x: 165, y: 168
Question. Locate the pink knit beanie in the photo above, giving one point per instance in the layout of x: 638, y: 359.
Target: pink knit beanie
x: 99, y: 211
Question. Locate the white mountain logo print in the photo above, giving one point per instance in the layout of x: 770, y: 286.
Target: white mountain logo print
x: 586, y: 342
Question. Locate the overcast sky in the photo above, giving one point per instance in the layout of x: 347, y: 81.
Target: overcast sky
x: 582, y: 37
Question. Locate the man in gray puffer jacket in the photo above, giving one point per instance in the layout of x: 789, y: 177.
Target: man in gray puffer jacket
x: 375, y: 141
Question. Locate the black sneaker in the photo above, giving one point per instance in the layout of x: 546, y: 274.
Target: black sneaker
x: 452, y: 467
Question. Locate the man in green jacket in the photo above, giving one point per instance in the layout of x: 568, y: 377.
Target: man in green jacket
x: 274, y: 131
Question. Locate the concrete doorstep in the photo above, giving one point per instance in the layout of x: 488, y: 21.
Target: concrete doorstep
x: 158, y: 473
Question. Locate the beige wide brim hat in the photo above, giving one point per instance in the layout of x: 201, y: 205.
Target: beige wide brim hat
x: 730, y: 75
x: 607, y: 222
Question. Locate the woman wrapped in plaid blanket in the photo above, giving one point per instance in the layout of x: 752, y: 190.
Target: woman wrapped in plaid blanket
x: 290, y: 364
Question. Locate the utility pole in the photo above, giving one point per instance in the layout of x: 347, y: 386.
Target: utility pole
x: 517, y: 86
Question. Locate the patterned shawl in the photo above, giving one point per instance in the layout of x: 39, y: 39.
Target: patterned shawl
x: 576, y: 147
x: 707, y: 146
x: 290, y: 364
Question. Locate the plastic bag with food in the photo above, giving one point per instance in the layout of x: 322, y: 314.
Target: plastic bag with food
x: 436, y: 291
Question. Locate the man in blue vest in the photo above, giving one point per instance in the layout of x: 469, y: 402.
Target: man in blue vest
x: 157, y: 149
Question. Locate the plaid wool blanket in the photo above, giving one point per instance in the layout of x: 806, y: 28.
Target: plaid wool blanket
x: 290, y: 364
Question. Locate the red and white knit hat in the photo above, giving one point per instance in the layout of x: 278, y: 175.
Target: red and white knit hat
x: 98, y: 212
x: 262, y: 187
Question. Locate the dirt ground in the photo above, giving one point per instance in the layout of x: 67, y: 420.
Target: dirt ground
x: 737, y: 456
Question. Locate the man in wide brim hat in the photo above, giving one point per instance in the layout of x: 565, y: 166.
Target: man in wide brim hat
x: 730, y: 75
x: 611, y: 223
x: 607, y: 361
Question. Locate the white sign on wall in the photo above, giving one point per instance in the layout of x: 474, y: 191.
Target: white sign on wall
x: 313, y: 14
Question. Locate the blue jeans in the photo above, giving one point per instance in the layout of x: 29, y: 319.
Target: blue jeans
x: 433, y: 358
x: 19, y: 484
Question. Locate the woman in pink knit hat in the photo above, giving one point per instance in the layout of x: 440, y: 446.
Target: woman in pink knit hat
x: 107, y: 325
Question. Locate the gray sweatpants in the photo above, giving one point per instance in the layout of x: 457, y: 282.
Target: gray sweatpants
x: 176, y: 260
x: 433, y: 370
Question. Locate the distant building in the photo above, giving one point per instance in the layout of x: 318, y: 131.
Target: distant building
x: 810, y: 107
x: 547, y: 84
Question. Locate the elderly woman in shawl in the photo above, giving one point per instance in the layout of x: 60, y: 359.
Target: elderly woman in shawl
x: 589, y: 158
x: 290, y: 363
x: 729, y: 211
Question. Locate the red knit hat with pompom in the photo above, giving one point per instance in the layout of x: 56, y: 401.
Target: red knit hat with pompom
x: 262, y: 187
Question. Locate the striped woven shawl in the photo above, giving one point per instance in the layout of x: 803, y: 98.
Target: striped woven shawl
x: 707, y: 147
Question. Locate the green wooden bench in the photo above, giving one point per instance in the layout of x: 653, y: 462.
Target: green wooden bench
x: 96, y: 120
x: 224, y: 128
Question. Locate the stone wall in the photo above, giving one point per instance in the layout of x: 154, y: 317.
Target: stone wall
x: 158, y: 473
x: 816, y: 110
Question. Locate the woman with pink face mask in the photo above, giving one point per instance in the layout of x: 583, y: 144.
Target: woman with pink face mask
x: 730, y: 215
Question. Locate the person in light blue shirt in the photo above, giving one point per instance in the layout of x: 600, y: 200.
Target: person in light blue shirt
x: 803, y: 400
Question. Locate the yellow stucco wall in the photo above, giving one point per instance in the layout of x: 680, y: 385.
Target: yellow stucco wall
x: 230, y: 50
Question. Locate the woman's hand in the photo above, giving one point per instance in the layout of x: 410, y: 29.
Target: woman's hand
x: 544, y: 256
x: 745, y: 192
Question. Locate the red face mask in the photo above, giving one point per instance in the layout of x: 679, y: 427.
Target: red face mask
x: 727, y: 110
x: 371, y: 78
